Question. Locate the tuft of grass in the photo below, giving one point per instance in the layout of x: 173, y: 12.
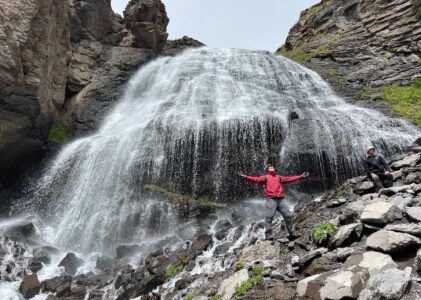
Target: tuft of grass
x: 405, y: 100
x: 205, y: 204
x: 366, y: 93
x: 330, y: 72
x: 189, y: 296
x: 322, y: 232
x: 238, y: 266
x: 243, y: 288
x: 58, y: 134
x: 174, y: 269
x: 284, y: 250
x: 302, y: 54
x: 216, y: 297
x: 341, y: 194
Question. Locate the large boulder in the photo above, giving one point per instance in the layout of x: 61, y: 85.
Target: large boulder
x: 147, y: 20
x: 227, y: 287
x: 388, y: 285
x: 380, y: 213
x: 340, y: 284
x: 410, y: 228
x: 265, y: 250
x: 374, y: 262
x: 390, y: 242
x: 30, y: 286
x: 414, y: 213
x: 346, y: 234
x: 409, y: 161
x: 70, y: 263
x: 201, y: 243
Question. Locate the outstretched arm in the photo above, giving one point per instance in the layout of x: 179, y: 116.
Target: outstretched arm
x: 288, y: 179
x: 254, y: 179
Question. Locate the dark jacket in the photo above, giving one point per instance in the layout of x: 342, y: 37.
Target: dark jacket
x: 272, y: 182
x: 375, y: 164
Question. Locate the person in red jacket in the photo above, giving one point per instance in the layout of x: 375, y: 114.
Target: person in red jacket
x: 275, y: 194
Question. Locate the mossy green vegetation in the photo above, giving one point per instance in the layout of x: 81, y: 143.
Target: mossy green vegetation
x: 341, y: 194
x: 205, y: 204
x: 58, y: 134
x: 330, y: 72
x: 189, y: 296
x: 405, y: 100
x: 216, y: 297
x: 322, y: 232
x: 171, y: 195
x: 238, y: 266
x: 243, y: 288
x: 174, y: 269
x: 302, y: 54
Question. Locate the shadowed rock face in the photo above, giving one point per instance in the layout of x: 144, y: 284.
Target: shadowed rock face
x: 68, y: 61
x: 359, y: 46
x: 34, y: 41
x: 91, y: 19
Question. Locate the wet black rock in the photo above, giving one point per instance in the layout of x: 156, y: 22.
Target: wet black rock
x: 30, y: 286
x: 70, y: 263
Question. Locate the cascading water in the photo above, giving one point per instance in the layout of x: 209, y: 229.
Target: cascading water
x: 188, y: 124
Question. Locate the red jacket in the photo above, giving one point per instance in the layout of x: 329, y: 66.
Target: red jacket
x: 272, y: 182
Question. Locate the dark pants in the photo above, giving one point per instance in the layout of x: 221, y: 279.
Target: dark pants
x: 273, y: 205
x: 383, y: 180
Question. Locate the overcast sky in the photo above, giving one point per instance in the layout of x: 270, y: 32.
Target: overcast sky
x: 248, y: 24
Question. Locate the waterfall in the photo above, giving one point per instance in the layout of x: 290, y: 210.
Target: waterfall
x: 188, y: 124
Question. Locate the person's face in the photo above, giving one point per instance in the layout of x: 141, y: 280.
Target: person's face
x: 371, y: 152
x: 271, y: 169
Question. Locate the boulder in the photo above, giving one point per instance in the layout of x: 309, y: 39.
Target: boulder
x: 409, y: 161
x: 147, y: 20
x: 416, y: 188
x: 365, y: 187
x: 388, y: 285
x: 201, y: 243
x: 346, y: 235
x: 340, y: 254
x: 227, y: 287
x: 70, y: 263
x: 221, y: 229
x: 397, y: 189
x: 414, y: 213
x: 30, y: 286
x: 374, y: 262
x: 223, y: 248
x: 104, y: 263
x: 306, y: 259
x: 126, y: 250
x: 380, y: 213
x: 413, y: 178
x: 23, y: 231
x: 262, y: 251
x: 410, y: 228
x: 56, y: 284
x: 400, y: 201
x: 390, y: 241
x: 345, y: 283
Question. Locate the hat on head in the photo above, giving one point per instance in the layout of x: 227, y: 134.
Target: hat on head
x: 369, y: 148
x: 267, y: 167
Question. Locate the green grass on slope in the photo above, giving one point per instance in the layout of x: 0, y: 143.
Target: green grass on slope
x: 405, y: 100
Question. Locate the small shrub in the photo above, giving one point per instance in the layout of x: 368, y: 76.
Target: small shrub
x: 242, y: 289
x: 284, y: 250
x: 257, y: 270
x: 216, y: 297
x: 322, y: 232
x: 189, y: 296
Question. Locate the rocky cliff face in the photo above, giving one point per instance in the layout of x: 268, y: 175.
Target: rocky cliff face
x: 35, y: 40
x: 364, y: 49
x: 63, y: 64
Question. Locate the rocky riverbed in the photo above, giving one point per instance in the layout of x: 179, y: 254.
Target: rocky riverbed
x: 355, y: 244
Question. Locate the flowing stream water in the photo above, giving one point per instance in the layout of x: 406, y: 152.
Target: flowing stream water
x: 188, y: 124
